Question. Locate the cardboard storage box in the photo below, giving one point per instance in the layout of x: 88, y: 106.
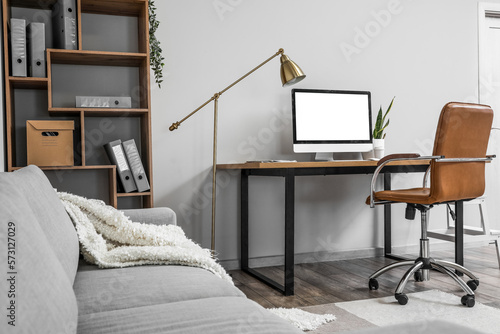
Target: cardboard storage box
x: 50, y: 143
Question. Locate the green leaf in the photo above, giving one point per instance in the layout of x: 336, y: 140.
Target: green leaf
x: 385, y: 126
x: 378, y: 124
x: 381, y: 124
x: 155, y: 57
x: 388, y: 109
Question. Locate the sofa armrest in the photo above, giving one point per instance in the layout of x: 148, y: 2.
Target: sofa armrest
x: 155, y: 216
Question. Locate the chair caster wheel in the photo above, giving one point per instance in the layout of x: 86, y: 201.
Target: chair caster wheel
x: 473, y: 284
x: 468, y: 301
x: 402, y: 298
x: 373, y: 284
x: 418, y: 276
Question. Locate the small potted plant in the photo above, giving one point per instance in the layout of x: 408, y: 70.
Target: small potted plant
x: 378, y: 131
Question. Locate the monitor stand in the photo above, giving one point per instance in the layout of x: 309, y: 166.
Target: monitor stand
x: 329, y: 156
x: 323, y: 156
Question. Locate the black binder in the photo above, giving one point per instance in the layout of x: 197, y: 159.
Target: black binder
x: 135, y: 163
x: 117, y: 157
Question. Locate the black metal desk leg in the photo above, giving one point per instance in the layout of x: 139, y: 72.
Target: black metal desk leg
x: 244, y: 220
x: 288, y: 287
x: 459, y: 234
x: 289, y: 231
x: 387, y: 218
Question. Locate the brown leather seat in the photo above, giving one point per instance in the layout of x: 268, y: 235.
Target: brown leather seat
x: 463, y: 131
x: 457, y: 171
x: 414, y: 195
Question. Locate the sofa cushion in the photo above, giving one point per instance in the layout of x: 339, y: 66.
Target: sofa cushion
x: 211, y: 315
x: 39, y: 287
x: 103, y: 290
x: 54, y: 221
x: 155, y: 216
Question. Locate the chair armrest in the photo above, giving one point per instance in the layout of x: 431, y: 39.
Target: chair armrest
x: 486, y: 158
x: 413, y: 156
x: 155, y: 216
x: 398, y: 156
x: 390, y: 158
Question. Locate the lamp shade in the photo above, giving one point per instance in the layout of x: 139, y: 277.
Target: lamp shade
x: 291, y: 73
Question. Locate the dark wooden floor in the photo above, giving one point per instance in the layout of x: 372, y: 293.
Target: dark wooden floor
x: 347, y: 280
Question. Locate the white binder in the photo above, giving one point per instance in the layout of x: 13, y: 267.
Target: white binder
x: 18, y: 47
x: 64, y: 24
x: 103, y: 102
x: 135, y: 163
x: 117, y: 157
x: 35, y: 33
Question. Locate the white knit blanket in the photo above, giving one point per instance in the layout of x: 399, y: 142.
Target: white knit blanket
x: 109, y: 239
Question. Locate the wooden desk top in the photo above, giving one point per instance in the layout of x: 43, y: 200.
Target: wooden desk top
x: 317, y: 164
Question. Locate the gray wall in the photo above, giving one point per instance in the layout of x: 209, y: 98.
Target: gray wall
x: 423, y: 52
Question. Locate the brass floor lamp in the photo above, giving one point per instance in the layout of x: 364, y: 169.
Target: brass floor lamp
x: 290, y: 74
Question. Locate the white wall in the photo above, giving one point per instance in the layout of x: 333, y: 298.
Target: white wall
x: 423, y: 52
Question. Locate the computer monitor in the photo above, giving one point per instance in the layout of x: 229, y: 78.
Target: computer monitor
x: 331, y: 121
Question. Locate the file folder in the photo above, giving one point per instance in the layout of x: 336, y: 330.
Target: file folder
x: 18, y: 47
x: 103, y: 102
x: 117, y: 157
x: 35, y: 33
x: 135, y: 163
x: 64, y: 24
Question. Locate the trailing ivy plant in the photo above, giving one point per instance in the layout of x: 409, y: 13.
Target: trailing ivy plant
x: 378, y: 130
x: 155, y: 57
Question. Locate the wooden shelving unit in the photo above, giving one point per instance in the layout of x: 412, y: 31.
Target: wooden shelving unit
x: 96, y: 58
x: 28, y: 83
x: 89, y: 112
x: 89, y: 156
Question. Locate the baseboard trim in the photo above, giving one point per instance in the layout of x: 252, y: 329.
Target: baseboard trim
x: 324, y: 256
x: 321, y: 256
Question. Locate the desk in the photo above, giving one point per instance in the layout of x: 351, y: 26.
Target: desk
x: 289, y: 170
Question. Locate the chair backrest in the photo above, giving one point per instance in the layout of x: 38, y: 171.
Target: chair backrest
x: 463, y: 131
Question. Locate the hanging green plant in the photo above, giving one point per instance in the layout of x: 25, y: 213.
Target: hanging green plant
x: 155, y: 57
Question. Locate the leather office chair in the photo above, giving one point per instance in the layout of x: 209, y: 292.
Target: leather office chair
x: 457, y: 172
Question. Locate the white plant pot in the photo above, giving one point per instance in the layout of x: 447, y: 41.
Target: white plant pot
x: 378, y: 148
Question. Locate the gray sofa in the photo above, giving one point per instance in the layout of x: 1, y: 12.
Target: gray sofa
x: 50, y: 290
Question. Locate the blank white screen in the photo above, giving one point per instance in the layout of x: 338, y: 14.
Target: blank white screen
x: 331, y: 116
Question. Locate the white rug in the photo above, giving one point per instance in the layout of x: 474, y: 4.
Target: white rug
x: 432, y: 304
x: 303, y: 320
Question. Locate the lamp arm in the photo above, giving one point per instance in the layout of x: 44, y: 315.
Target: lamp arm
x: 280, y: 52
x: 175, y: 125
